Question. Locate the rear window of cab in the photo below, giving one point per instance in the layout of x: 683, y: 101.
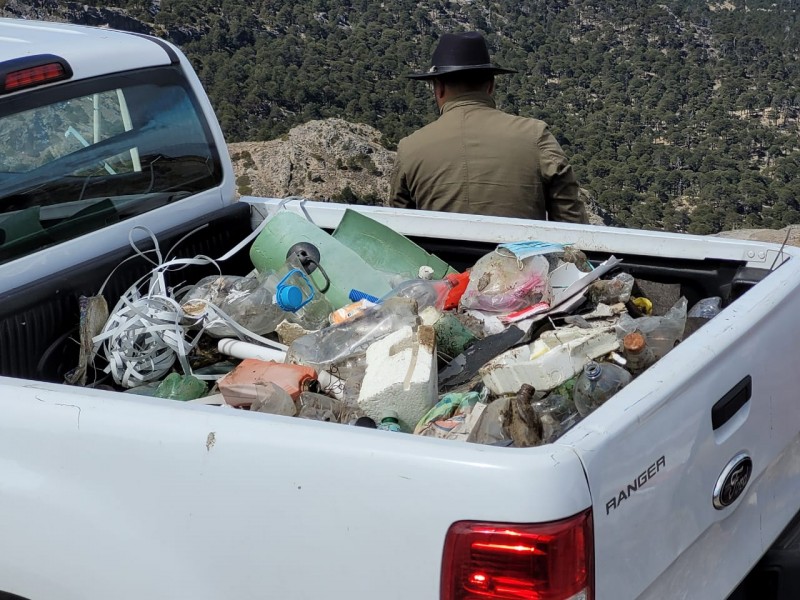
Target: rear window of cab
x: 82, y: 155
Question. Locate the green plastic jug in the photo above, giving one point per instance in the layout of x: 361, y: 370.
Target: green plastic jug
x: 345, y: 268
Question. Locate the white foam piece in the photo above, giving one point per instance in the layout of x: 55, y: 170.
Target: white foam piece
x: 401, y: 376
x: 546, y: 367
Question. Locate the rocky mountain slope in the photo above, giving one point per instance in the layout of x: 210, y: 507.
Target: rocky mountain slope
x: 320, y: 160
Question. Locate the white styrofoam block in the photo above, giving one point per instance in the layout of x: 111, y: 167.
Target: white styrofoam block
x: 401, y: 376
x: 546, y: 366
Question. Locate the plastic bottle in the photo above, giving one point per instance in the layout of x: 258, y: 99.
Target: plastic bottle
x: 521, y: 421
x: 706, y: 308
x: 336, y: 344
x: 662, y: 333
x: 425, y: 292
x: 390, y: 422
x: 298, y: 296
x: 351, y: 311
x: 701, y: 313
x: 597, y: 383
x: 558, y: 413
x: 250, y: 302
x: 637, y: 353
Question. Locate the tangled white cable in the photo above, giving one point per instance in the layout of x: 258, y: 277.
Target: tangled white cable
x: 147, y: 331
x: 142, y: 338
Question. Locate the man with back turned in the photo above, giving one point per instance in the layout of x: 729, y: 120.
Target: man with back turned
x: 476, y: 158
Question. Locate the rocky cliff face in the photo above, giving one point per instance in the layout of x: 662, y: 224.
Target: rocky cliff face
x: 320, y: 160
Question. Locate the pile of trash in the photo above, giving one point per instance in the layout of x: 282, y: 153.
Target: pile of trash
x: 363, y: 327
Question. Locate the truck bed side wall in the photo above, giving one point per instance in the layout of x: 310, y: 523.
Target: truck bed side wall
x: 38, y: 322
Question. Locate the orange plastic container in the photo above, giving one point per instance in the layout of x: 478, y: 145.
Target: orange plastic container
x: 240, y: 386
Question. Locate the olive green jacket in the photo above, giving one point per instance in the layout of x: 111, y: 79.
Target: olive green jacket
x: 477, y: 159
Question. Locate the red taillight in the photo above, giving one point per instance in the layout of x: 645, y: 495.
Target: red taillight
x: 34, y: 76
x: 494, y: 561
x: 29, y: 71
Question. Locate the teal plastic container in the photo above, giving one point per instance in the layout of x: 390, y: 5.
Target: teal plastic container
x: 345, y: 268
x: 385, y: 249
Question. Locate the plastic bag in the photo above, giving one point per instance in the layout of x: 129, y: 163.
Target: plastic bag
x: 611, y: 291
x: 489, y: 428
x: 320, y: 407
x: 447, y: 419
x: 272, y: 399
x: 509, y: 420
x: 181, y: 387
x: 501, y: 284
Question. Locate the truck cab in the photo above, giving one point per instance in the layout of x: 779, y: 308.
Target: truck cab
x: 90, y: 150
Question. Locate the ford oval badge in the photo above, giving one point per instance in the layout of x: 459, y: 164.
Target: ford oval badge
x: 732, y: 480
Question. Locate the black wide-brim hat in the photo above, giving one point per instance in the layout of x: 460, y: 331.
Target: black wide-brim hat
x: 460, y: 52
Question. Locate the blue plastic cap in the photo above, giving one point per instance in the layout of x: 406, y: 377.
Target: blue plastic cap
x: 289, y: 297
x: 356, y: 295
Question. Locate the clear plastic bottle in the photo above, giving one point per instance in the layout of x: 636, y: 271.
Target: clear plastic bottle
x: 597, y: 383
x: 706, y: 308
x: 663, y: 332
x: 425, y: 292
x: 701, y: 313
x: 390, y: 422
x: 251, y: 304
x: 296, y: 294
x: 557, y: 413
x: 336, y: 344
x: 637, y: 353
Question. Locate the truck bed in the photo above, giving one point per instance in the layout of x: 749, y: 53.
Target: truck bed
x: 205, y: 502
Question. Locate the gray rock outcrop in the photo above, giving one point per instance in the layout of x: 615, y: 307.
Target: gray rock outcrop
x: 319, y: 160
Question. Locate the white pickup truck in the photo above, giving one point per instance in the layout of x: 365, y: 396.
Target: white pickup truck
x: 679, y: 487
